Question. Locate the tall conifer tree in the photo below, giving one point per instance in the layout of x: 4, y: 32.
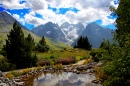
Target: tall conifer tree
x: 17, y: 49
x: 42, y: 46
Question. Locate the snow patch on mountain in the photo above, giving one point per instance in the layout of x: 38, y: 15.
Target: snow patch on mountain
x: 55, y: 28
x: 48, y: 32
x: 71, y: 31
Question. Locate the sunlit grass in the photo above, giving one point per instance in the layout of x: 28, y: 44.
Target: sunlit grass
x: 64, y: 53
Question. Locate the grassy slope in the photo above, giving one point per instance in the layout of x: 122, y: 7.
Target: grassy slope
x: 52, y: 45
x: 65, y: 53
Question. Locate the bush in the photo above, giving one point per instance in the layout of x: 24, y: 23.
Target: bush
x: 15, y: 74
x: 25, y: 71
x: 66, y: 61
x: 9, y: 75
x: 78, y: 58
x: 43, y: 62
x: 5, y: 66
x: 99, y: 54
x: 39, y: 67
x: 58, y: 66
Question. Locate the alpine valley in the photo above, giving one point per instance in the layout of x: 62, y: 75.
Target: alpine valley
x: 58, y: 35
x: 6, y: 24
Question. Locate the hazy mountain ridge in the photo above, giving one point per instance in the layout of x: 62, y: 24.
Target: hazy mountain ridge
x: 50, y: 30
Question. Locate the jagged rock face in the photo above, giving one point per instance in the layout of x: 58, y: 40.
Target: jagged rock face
x: 69, y: 33
x: 50, y: 30
x: 66, y: 33
x: 96, y: 34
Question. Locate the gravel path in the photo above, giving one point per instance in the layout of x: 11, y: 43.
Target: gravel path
x: 80, y: 62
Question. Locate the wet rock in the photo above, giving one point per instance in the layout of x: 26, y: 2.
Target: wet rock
x: 17, y: 80
x: 1, y: 74
x: 3, y: 84
x: 95, y: 81
x: 19, y: 83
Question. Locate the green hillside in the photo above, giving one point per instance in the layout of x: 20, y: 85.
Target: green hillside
x: 53, y: 45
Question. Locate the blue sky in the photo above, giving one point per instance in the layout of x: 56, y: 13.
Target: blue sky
x: 32, y: 13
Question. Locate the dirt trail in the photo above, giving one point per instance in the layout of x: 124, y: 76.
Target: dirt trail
x: 80, y: 62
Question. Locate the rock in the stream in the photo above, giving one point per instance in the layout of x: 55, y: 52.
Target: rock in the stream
x: 19, y: 83
x: 1, y: 74
x: 3, y: 84
x: 7, y: 82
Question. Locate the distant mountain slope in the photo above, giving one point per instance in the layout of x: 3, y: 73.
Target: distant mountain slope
x: 96, y: 34
x: 6, y: 24
x: 50, y: 30
x: 72, y: 31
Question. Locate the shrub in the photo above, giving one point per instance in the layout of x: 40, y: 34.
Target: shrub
x: 15, y: 73
x: 39, y: 68
x: 78, y: 58
x: 66, y: 61
x: 43, y: 62
x: 9, y: 75
x: 58, y: 66
x: 5, y: 66
x: 99, y: 54
x: 25, y: 71
x: 99, y: 73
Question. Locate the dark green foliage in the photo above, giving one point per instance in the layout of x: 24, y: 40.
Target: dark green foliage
x: 42, y: 46
x: 83, y: 43
x: 5, y: 65
x: 118, y: 68
x: 75, y: 46
x: 30, y: 55
x: 123, y: 22
x: 19, y: 50
x: 105, y: 44
x: 100, y: 55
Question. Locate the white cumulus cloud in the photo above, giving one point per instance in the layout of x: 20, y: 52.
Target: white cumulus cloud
x: 89, y: 10
x: 17, y: 17
x: 13, y: 4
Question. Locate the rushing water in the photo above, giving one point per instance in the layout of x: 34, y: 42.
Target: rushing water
x: 64, y: 79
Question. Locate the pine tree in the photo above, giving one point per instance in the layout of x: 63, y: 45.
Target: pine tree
x: 42, y: 46
x: 83, y: 43
x: 31, y: 58
x: 87, y: 44
x: 18, y: 50
x: 30, y: 45
x: 79, y: 43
